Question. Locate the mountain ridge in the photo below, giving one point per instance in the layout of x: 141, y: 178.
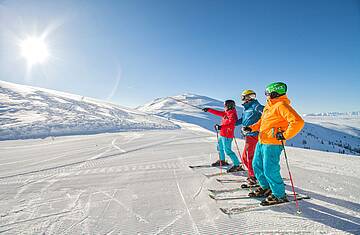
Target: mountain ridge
x: 317, y: 134
x: 31, y: 112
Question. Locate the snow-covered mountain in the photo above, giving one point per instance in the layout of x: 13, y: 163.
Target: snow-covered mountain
x: 340, y: 134
x: 349, y: 124
x: 140, y: 182
x: 175, y: 107
x: 30, y: 112
x: 333, y: 114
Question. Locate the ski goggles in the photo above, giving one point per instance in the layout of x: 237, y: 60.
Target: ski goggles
x: 248, y: 97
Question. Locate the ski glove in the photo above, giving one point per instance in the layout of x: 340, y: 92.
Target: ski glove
x: 280, y: 136
x: 205, y: 109
x: 218, y: 127
x: 246, y: 129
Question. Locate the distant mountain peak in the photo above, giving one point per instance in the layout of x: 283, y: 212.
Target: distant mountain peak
x: 332, y: 114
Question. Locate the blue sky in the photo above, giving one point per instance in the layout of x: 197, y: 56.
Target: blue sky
x: 131, y: 52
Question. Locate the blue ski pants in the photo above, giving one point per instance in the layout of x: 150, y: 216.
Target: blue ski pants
x: 266, y: 165
x: 224, y: 146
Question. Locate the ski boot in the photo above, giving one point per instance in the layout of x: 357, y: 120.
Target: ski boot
x: 251, y: 180
x: 260, y: 192
x: 217, y: 163
x: 272, y: 200
x: 235, y: 169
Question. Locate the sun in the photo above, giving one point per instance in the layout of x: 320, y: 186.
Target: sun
x: 34, y: 50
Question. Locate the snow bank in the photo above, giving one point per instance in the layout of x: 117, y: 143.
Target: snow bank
x: 29, y: 112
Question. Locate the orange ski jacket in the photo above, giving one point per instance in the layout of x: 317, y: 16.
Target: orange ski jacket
x: 278, y: 116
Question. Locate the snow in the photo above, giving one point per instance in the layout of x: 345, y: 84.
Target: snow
x: 171, y: 109
x: 334, y: 114
x: 139, y: 183
x: 349, y: 124
x: 331, y: 132
x: 30, y: 112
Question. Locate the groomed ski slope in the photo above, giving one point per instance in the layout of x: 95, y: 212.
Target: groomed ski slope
x: 140, y: 183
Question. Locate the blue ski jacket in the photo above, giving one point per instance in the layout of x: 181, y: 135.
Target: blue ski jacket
x: 251, y: 114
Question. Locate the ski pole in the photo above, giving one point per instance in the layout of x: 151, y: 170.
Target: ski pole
x: 238, y: 150
x: 246, y: 146
x: 291, y: 180
x: 186, y: 103
x: 217, y: 147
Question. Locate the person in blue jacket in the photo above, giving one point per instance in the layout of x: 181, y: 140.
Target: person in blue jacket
x: 251, y: 114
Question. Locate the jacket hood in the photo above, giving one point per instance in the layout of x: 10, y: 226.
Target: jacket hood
x: 249, y: 104
x: 282, y: 98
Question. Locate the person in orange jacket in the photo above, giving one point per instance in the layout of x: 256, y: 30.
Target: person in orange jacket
x: 279, y: 122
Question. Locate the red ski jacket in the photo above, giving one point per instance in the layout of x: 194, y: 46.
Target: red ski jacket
x: 228, y: 121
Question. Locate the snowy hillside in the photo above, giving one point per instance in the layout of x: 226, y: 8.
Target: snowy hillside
x: 339, y: 133
x: 345, y: 123
x: 29, y: 112
x: 322, y: 137
x: 170, y: 108
x: 334, y: 114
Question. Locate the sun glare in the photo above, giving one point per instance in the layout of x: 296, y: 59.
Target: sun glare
x: 34, y: 50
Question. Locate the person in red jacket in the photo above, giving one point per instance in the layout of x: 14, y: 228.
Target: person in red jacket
x: 227, y: 128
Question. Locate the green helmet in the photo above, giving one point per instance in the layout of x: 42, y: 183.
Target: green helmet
x: 276, y: 89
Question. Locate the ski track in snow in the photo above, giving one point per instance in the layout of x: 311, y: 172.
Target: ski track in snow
x: 128, y: 209
x: 117, y: 147
x: 90, y: 162
x: 89, y: 186
x: 186, y: 205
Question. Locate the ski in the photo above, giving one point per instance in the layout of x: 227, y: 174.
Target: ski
x: 253, y: 207
x: 248, y: 186
x: 200, y: 166
x: 230, y: 181
x: 236, y: 173
x: 228, y: 198
x: 217, y: 198
x: 218, y: 191
x: 243, y: 186
x: 206, y: 166
x: 216, y: 174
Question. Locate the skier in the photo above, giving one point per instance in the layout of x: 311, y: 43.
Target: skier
x: 278, y: 122
x: 251, y: 114
x: 227, y: 127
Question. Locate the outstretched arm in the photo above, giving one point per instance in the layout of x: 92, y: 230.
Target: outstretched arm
x: 216, y: 112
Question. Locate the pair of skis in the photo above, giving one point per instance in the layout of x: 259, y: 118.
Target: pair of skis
x: 213, y: 174
x: 201, y: 166
x: 230, y: 181
x: 231, y: 190
x: 247, y: 207
x: 257, y: 206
